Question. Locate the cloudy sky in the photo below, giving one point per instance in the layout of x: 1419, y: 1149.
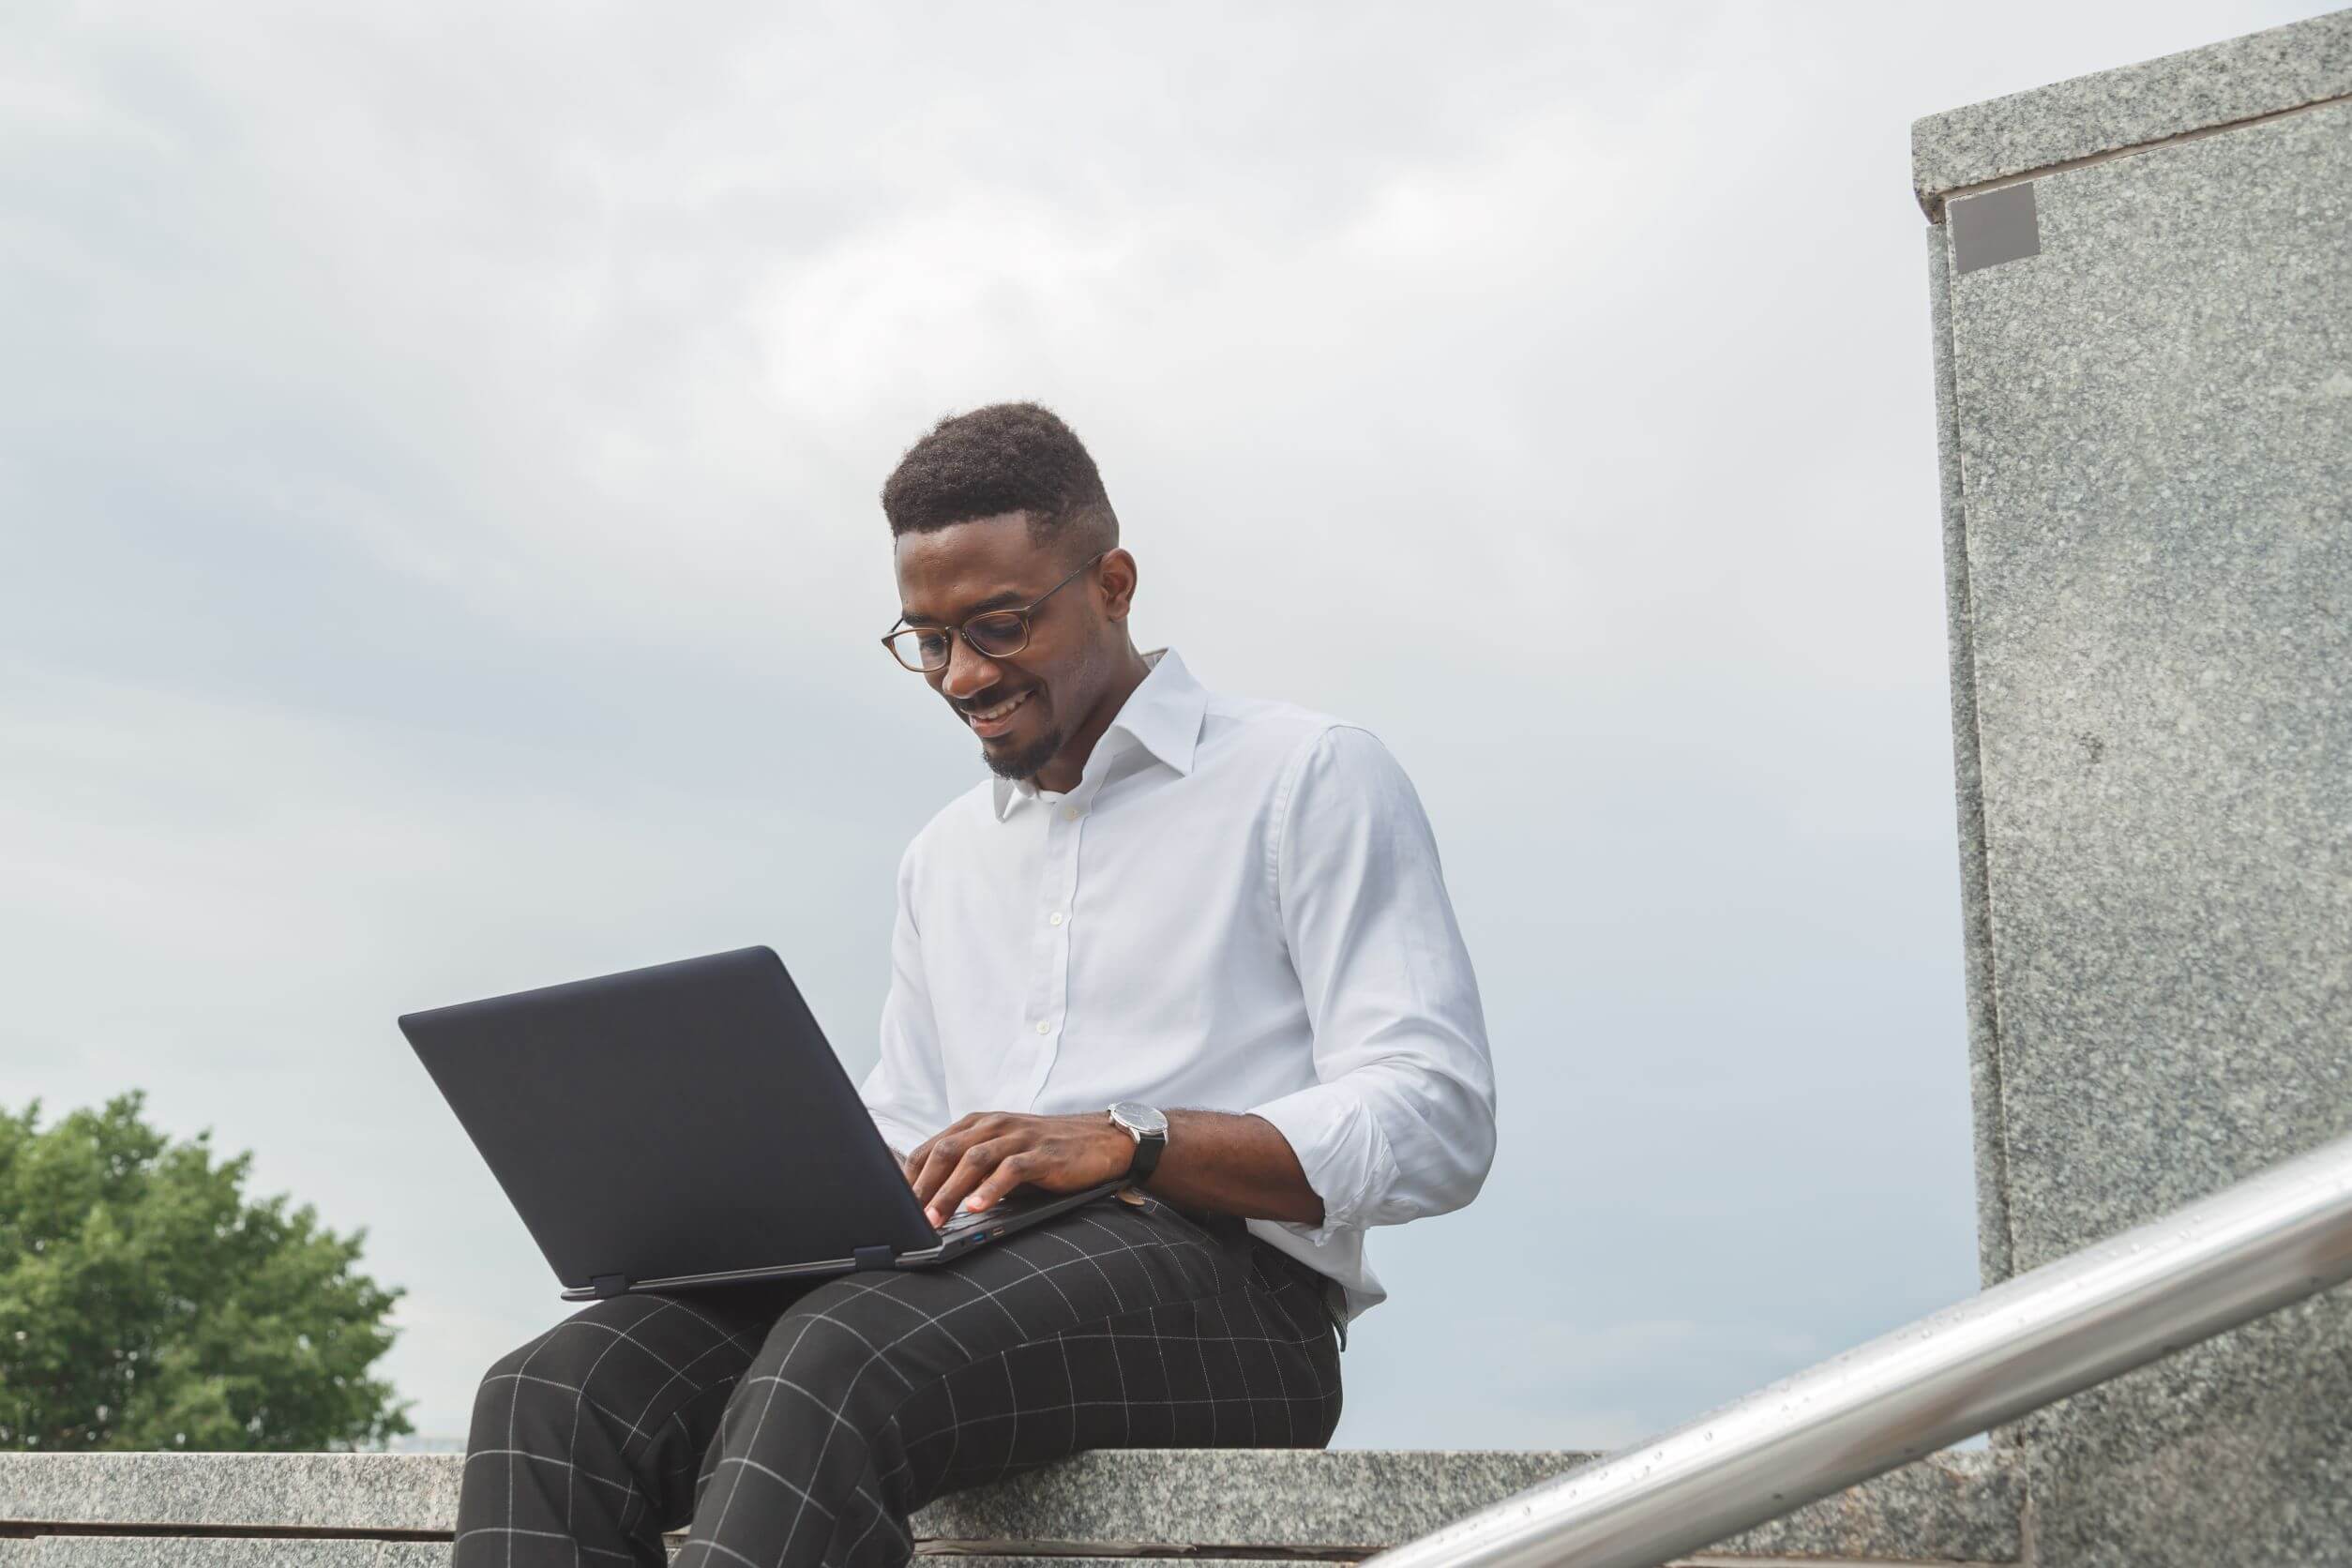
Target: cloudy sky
x: 439, y: 555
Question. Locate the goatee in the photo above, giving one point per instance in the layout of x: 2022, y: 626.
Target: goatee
x: 1025, y: 762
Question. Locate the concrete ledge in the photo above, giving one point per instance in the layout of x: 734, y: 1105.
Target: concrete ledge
x: 398, y: 1510
x: 193, y: 1493
x: 1954, y: 1507
x: 2269, y: 72
x: 95, y: 1552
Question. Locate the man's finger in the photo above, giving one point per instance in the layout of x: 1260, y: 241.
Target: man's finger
x: 970, y: 1171
x: 1009, y: 1173
x: 911, y: 1166
x: 956, y: 1134
x: 938, y: 1162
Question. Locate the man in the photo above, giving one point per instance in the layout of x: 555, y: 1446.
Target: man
x: 1197, y: 943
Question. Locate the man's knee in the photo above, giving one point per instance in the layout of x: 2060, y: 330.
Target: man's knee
x: 830, y: 1360
x: 587, y: 1358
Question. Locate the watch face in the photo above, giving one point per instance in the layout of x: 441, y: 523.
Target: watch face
x: 1142, y: 1119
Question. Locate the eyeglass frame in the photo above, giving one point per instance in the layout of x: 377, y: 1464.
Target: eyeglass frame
x: 960, y: 628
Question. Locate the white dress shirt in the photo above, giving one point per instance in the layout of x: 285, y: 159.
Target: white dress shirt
x: 1238, y: 908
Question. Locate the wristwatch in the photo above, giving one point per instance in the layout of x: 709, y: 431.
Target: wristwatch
x: 1148, y: 1126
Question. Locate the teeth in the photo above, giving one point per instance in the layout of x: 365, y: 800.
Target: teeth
x: 1000, y: 709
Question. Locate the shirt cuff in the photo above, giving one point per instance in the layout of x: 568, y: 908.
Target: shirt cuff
x: 1340, y: 1146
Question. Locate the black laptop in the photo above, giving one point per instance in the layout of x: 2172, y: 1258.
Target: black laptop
x: 686, y: 1125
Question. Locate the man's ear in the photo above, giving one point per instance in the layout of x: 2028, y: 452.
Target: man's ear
x: 1118, y: 584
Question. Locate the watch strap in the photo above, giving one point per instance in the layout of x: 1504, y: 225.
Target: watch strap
x: 1148, y: 1147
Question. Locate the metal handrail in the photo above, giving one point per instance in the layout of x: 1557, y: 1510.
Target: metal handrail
x: 2270, y: 1239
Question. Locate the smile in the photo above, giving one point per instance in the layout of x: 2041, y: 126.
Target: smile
x: 993, y: 720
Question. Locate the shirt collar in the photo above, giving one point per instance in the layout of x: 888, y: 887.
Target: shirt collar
x: 1162, y: 714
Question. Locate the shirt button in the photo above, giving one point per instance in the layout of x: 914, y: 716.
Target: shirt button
x: 1044, y: 1028
x: 1069, y: 813
x: 1054, y: 919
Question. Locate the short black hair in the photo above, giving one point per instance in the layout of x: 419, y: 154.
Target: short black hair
x: 1003, y: 458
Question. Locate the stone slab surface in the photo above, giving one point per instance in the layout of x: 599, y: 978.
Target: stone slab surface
x: 1951, y: 1506
x: 348, y: 1491
x: 2262, y: 73
x: 397, y: 1554
x: 166, y: 1552
x: 2154, y: 439
x: 1959, y: 1506
x: 184, y: 1552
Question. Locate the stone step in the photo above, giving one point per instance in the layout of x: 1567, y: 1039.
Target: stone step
x: 398, y: 1510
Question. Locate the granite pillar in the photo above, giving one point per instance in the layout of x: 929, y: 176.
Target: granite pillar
x: 2142, y: 289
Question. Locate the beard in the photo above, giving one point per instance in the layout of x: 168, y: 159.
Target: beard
x: 1025, y: 762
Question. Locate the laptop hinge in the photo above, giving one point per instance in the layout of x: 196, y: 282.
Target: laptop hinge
x: 609, y: 1283
x: 874, y: 1257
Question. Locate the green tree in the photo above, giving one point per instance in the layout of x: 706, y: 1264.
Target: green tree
x: 145, y: 1304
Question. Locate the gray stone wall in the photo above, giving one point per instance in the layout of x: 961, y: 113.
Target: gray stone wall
x: 2145, y: 352
x: 1291, y: 1506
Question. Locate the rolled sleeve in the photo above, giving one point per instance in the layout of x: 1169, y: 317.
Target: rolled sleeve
x: 1340, y: 1147
x: 1401, y: 1122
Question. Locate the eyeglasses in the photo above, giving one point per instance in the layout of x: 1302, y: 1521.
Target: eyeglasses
x: 993, y: 633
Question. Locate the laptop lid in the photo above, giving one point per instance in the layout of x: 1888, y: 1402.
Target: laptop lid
x: 684, y: 1119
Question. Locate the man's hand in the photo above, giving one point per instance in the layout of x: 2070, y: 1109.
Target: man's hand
x: 983, y: 1156
x: 1216, y: 1161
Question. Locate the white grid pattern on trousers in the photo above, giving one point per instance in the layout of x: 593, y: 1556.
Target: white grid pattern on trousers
x: 785, y: 1425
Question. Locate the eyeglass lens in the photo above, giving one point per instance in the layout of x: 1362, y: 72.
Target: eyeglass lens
x: 997, y: 634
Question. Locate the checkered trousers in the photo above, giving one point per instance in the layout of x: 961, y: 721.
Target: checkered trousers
x: 793, y: 1425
